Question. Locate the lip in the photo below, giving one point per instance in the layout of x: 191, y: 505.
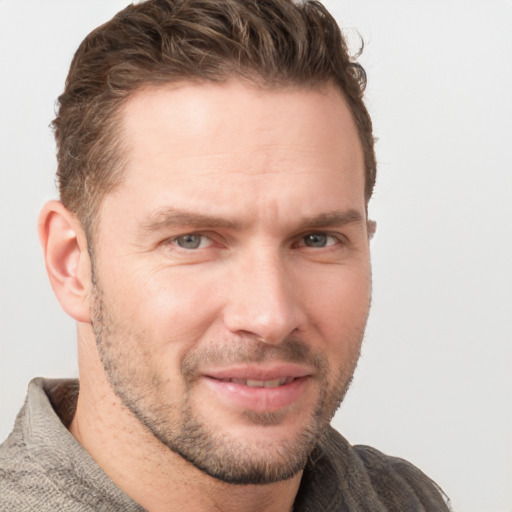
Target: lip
x: 258, y: 399
x: 258, y: 372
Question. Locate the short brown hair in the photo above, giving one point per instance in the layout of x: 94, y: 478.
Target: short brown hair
x: 268, y: 42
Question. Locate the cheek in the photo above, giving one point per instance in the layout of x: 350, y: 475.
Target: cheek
x: 338, y: 312
x: 342, y: 300
x: 168, y: 309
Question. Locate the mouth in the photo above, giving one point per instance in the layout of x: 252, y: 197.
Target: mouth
x: 252, y: 383
x: 258, y: 389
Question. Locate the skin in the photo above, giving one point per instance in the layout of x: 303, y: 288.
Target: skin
x: 235, y: 245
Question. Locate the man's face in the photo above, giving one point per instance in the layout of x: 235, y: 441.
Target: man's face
x: 232, y: 274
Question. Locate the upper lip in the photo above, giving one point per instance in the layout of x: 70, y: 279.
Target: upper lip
x: 258, y: 372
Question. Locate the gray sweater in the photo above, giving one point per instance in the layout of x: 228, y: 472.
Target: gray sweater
x: 43, y: 468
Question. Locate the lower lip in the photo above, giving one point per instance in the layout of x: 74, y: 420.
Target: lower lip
x: 255, y: 398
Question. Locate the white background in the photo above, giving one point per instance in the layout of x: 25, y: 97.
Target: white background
x: 434, y: 382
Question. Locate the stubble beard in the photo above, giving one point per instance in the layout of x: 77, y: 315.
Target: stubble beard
x: 180, y: 428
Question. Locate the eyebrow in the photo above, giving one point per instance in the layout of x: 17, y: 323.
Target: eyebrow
x: 334, y: 218
x: 170, y: 217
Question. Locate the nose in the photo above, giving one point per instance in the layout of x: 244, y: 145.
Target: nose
x: 263, y: 300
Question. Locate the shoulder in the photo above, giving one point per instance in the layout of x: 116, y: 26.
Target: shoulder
x: 26, y: 481
x: 43, y: 468
x: 362, y: 478
x: 395, y: 479
x: 24, y: 484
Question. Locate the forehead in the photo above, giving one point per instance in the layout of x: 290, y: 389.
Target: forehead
x: 230, y: 146
x: 209, y: 119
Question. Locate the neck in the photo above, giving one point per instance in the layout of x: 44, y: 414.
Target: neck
x: 149, y: 472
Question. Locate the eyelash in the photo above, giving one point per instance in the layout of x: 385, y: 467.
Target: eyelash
x: 335, y: 238
x: 174, y: 240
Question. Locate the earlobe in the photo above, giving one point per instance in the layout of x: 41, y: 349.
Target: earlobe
x: 67, y: 259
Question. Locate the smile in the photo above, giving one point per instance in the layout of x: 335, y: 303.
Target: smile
x: 273, y: 383
x: 257, y: 394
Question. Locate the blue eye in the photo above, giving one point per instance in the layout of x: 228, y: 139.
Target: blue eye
x: 190, y: 241
x: 316, y: 240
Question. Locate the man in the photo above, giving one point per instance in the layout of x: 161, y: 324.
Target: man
x: 212, y: 243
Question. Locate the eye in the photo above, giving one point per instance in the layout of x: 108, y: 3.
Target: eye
x: 192, y: 241
x: 318, y: 240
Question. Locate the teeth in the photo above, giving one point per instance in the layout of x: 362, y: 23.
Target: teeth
x: 255, y: 383
x: 274, y: 383
x: 263, y: 383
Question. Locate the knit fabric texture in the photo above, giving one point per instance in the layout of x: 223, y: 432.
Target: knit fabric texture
x: 43, y: 468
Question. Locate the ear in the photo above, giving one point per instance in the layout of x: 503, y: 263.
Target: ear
x: 372, y: 227
x: 67, y: 259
